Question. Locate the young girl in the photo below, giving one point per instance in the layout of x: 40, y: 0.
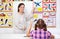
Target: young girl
x: 40, y: 31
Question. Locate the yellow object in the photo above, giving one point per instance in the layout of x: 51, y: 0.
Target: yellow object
x: 35, y: 16
x: 10, y: 23
x: 39, y: 9
x: 1, y: 22
x: 6, y: 17
x: 10, y: 6
x: 1, y: 6
x: 6, y: 0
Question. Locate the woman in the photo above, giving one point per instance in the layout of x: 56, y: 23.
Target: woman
x: 40, y: 31
x: 20, y: 22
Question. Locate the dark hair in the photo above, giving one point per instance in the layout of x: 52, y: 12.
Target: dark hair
x: 41, y: 25
x: 20, y: 5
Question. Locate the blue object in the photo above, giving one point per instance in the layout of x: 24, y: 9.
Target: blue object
x: 49, y: 6
x: 37, y: 3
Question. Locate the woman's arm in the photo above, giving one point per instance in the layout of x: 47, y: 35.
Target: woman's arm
x: 21, y: 28
x: 29, y: 29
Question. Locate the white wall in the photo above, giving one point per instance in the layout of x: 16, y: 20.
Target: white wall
x: 55, y: 31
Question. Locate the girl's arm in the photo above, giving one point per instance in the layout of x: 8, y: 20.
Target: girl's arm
x: 52, y: 37
x: 29, y: 29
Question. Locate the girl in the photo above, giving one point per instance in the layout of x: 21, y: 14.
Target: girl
x: 40, y: 31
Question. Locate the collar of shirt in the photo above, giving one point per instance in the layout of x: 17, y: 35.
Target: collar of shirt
x: 40, y: 29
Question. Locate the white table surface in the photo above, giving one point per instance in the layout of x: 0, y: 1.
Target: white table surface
x: 13, y: 36
x: 18, y: 36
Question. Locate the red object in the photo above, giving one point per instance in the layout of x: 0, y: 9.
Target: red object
x: 2, y: 15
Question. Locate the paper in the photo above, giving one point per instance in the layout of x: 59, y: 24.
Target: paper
x: 35, y: 16
x: 38, y: 5
x: 39, y: 9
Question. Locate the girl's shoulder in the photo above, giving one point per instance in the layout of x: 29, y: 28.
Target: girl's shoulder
x: 33, y: 30
x: 48, y: 32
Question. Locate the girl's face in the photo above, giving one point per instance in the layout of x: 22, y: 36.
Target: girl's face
x: 21, y: 8
x: 41, y: 21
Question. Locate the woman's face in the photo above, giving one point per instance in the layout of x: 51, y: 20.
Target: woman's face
x: 21, y: 8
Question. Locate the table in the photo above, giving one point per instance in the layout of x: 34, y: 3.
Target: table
x: 18, y: 36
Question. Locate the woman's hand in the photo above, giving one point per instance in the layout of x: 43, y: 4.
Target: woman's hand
x: 24, y: 27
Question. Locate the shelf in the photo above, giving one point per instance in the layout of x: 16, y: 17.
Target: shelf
x: 6, y: 11
x: 51, y: 26
x: 6, y: 26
